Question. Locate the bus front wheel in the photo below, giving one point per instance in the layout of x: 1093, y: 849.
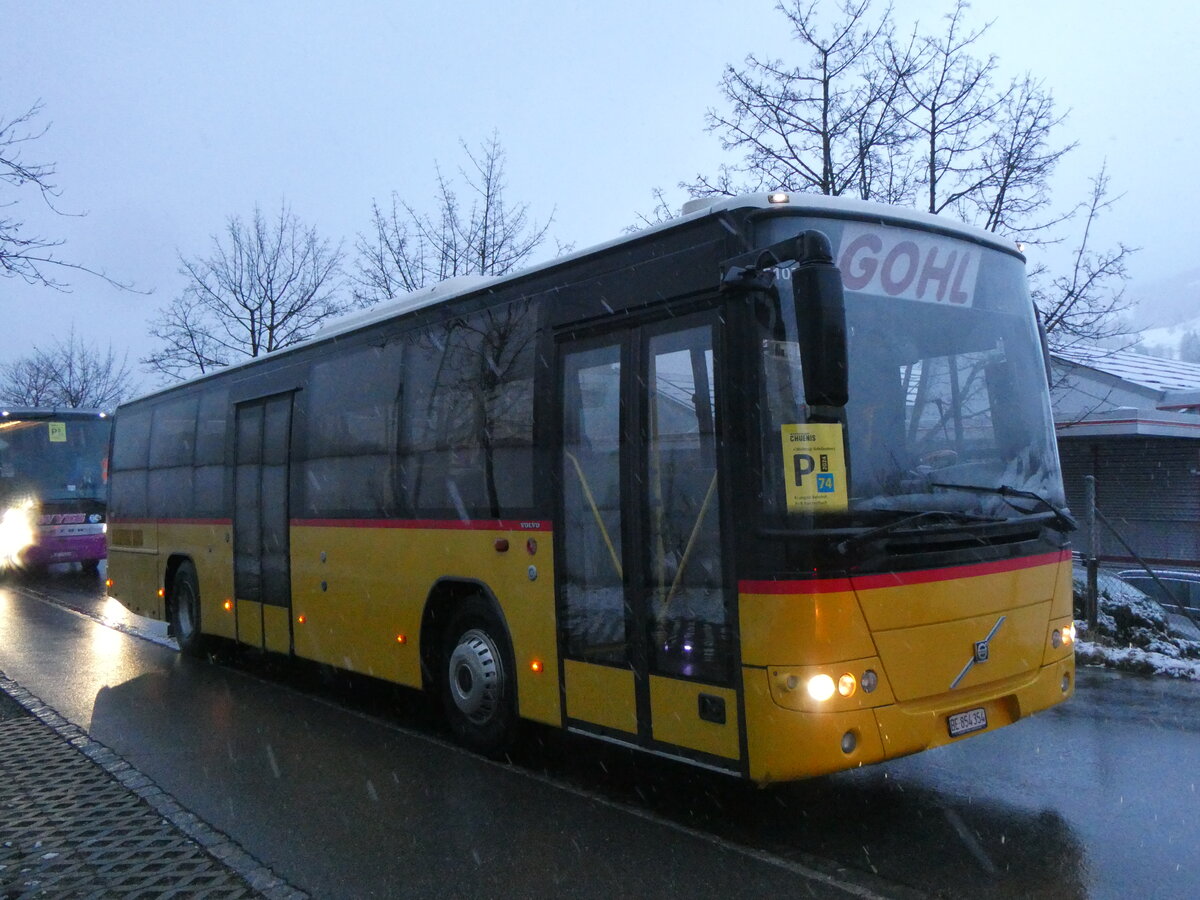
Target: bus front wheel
x: 185, y: 610
x: 478, y: 682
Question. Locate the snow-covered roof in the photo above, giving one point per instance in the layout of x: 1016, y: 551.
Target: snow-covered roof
x: 1126, y: 394
x: 1155, y: 373
x: 813, y: 204
x: 822, y: 204
x: 426, y: 296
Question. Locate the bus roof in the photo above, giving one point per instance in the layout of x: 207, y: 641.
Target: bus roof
x: 815, y: 204
x: 779, y: 201
x: 50, y: 412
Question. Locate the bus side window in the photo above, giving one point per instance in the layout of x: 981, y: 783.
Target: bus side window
x: 130, y: 456
x: 346, y: 463
x: 209, y: 475
x: 467, y: 423
x: 172, y: 439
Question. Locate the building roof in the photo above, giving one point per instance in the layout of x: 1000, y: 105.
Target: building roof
x: 1153, y: 372
x: 1096, y: 399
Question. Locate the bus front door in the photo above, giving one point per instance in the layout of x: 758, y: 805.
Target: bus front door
x: 645, y: 610
x: 262, y: 574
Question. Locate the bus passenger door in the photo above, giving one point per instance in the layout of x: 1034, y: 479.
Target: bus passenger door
x: 645, y: 606
x: 262, y: 573
x: 594, y: 618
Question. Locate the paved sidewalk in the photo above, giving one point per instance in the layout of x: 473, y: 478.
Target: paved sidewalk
x: 78, y: 821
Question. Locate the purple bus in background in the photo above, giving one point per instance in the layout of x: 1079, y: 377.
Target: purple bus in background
x: 53, y: 486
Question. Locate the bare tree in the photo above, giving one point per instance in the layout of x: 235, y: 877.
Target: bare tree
x: 1085, y: 303
x: 1016, y: 163
x: 25, y: 255
x: 825, y: 125
x: 483, y: 234
x: 71, y: 373
x: 950, y: 106
x: 27, y: 382
x: 268, y: 285
x: 889, y: 119
x: 662, y: 211
x: 914, y: 120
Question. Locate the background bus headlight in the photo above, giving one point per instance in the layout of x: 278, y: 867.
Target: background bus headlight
x: 16, y: 532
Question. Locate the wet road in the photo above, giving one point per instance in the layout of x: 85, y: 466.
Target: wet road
x: 357, y: 792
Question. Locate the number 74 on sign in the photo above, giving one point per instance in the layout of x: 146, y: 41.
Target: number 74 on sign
x: 814, y: 467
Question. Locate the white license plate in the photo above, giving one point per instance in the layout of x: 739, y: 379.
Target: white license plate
x: 966, y: 722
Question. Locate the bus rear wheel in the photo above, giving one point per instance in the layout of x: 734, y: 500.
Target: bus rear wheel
x: 478, y: 683
x: 185, y: 610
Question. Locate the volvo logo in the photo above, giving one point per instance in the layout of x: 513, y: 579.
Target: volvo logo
x: 980, y: 655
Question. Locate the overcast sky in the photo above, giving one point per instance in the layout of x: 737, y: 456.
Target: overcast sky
x: 166, y: 118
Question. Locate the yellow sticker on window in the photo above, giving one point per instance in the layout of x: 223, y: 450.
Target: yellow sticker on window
x: 814, y: 468
x: 58, y: 432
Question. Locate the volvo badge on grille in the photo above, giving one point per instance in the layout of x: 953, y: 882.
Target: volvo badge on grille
x: 980, y: 655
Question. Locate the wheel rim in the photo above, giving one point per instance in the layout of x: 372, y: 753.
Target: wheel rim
x: 476, y: 676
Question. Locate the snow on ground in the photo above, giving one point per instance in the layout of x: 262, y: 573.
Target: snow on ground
x: 1133, y: 632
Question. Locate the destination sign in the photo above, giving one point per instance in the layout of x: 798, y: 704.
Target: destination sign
x: 908, y: 265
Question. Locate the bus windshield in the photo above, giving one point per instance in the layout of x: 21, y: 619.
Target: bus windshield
x: 947, y: 383
x: 52, y: 458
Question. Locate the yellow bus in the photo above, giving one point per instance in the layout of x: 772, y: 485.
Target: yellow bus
x: 770, y: 488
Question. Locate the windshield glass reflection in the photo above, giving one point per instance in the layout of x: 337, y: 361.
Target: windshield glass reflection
x: 941, y: 394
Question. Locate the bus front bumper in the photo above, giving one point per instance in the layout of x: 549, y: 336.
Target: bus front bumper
x: 65, y: 549
x: 786, y: 744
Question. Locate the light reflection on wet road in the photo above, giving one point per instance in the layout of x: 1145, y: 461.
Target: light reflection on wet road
x: 1094, y: 799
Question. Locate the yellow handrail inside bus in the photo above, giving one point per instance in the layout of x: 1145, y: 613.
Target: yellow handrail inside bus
x: 587, y: 493
x: 687, y: 550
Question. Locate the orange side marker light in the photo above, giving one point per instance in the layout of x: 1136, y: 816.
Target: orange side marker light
x: 402, y: 639
x: 228, y: 606
x: 535, y: 666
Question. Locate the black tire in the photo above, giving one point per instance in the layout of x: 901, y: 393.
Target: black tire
x: 90, y: 566
x: 185, y: 610
x: 478, y: 680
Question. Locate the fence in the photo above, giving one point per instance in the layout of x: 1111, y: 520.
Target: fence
x: 1092, y: 515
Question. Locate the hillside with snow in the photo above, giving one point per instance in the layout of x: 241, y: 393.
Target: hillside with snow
x: 1167, y: 316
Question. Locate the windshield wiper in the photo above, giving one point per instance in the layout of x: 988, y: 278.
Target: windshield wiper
x: 865, y: 537
x: 1064, y: 519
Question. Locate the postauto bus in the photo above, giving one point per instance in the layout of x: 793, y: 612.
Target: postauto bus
x: 771, y: 488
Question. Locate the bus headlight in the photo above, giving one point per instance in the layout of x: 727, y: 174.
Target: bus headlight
x: 820, y: 687
x: 1063, y: 636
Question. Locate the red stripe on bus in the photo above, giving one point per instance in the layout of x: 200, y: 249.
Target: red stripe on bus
x: 443, y: 524
x: 435, y: 524
x: 896, y: 579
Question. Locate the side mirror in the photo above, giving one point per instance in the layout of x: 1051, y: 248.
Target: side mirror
x: 820, y: 306
x: 821, y: 316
